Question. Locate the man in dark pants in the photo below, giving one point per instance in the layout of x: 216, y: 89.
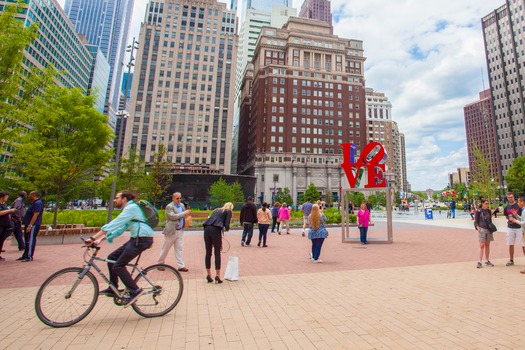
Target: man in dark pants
x: 141, y: 238
x: 17, y: 216
x: 32, y: 221
x: 248, y: 217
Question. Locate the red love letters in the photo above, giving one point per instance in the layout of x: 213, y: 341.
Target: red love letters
x: 372, y: 159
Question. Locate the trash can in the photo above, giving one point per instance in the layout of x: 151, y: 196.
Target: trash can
x: 428, y: 214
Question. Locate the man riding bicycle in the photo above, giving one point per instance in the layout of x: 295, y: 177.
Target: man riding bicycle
x: 141, y: 238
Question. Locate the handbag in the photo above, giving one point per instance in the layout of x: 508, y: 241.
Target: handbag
x: 232, y: 269
x: 188, y: 221
x: 492, y: 227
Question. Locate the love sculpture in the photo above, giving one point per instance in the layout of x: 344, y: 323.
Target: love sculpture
x: 372, y: 160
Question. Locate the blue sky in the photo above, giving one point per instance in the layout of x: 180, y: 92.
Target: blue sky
x: 428, y: 58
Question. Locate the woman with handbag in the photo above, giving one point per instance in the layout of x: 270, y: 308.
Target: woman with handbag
x: 6, y: 225
x: 317, y: 232
x: 218, y: 221
x: 483, y: 223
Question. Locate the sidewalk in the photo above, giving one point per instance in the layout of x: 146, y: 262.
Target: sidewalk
x: 421, y: 292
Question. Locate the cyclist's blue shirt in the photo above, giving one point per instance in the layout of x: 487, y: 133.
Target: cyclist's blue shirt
x: 125, y: 222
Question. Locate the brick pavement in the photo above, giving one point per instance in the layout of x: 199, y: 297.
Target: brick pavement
x: 422, y: 292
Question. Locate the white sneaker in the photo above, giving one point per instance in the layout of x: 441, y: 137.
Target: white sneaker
x: 311, y: 256
x: 318, y: 261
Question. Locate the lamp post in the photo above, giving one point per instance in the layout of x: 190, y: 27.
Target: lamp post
x: 256, y: 197
x: 131, y: 49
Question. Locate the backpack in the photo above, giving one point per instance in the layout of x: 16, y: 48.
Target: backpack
x: 150, y: 213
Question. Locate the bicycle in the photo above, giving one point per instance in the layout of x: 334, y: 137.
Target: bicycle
x: 69, y: 295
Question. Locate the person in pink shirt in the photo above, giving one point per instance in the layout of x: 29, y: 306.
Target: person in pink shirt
x: 363, y: 220
x: 284, y: 217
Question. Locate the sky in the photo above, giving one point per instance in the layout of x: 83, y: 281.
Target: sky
x: 428, y: 58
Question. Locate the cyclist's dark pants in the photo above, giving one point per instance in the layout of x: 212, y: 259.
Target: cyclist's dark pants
x: 122, y: 256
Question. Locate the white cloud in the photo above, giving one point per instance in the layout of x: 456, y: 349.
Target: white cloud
x: 427, y: 57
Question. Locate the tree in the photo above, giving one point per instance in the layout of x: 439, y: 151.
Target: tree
x: 381, y: 199
x: 220, y: 192
x: 482, y: 182
x: 131, y: 176
x: 372, y: 199
x: 283, y: 196
x: 311, y: 191
x: 516, y: 176
x: 238, y: 195
x: 67, y: 145
x: 158, y: 176
x: 18, y: 85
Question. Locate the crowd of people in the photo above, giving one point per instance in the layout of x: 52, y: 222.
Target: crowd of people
x: 23, y: 223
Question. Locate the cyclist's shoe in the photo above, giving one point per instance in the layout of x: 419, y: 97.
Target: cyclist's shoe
x: 133, y: 296
x: 107, y: 292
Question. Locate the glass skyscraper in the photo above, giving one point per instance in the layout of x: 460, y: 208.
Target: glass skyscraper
x: 57, y: 44
x: 105, y: 23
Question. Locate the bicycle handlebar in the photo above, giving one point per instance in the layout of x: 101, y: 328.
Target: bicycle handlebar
x: 89, y: 243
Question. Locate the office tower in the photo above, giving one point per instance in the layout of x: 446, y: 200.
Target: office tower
x: 381, y: 128
x: 481, y: 133
x: 105, y: 23
x: 262, y: 5
x: 306, y: 97
x: 57, y: 43
x: 317, y: 9
x: 183, y: 85
x: 254, y: 20
x: 504, y: 38
x: 99, y: 77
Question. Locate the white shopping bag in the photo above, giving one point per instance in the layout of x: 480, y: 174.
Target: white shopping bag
x: 232, y: 269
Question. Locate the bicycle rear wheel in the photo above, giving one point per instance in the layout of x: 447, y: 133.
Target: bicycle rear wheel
x: 162, y: 286
x: 65, y: 299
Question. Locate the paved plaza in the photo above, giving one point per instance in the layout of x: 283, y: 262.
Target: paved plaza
x: 421, y: 292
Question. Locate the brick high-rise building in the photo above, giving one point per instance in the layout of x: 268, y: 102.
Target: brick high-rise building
x: 183, y: 85
x: 320, y: 10
x: 504, y: 40
x: 306, y: 97
x: 480, y: 128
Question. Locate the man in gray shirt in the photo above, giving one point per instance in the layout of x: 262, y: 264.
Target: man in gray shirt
x: 307, y: 209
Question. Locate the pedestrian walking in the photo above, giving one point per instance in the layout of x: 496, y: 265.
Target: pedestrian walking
x: 284, y: 218
x: 317, y: 233
x: 306, y: 209
x: 263, y: 221
x: 248, y: 218
x: 275, y: 216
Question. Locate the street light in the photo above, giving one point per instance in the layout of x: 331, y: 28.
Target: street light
x: 256, y: 194
x: 131, y: 49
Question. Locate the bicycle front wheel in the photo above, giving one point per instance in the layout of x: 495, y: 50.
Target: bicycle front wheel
x: 162, y: 286
x: 65, y: 298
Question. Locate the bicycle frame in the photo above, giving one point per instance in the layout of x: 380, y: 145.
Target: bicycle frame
x: 91, y: 263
